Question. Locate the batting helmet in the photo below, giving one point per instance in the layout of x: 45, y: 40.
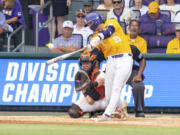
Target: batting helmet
x: 96, y: 18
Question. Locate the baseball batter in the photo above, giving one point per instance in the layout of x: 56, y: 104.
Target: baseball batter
x: 111, y: 40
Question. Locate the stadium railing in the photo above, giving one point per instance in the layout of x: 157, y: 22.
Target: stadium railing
x: 38, y: 28
x: 10, y: 36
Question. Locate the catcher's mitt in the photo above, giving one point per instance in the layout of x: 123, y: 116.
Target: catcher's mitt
x: 82, y: 80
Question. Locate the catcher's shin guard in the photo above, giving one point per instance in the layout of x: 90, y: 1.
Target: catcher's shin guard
x: 75, y: 111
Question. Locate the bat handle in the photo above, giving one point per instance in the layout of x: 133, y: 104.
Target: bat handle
x: 82, y: 49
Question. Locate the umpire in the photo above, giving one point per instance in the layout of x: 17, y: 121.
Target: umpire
x: 135, y: 80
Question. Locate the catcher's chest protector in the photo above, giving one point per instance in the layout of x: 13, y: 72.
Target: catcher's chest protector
x: 100, y: 90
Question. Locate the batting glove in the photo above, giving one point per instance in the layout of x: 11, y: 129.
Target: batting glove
x: 95, y: 41
x: 88, y: 48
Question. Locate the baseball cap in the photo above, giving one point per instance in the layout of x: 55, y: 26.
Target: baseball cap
x: 80, y: 12
x: 177, y: 26
x: 68, y: 24
x: 87, y: 2
x: 153, y: 7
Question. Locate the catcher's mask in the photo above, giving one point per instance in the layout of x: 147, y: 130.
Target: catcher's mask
x: 88, y: 57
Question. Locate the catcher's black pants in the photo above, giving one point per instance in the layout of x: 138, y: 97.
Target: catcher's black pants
x: 138, y: 92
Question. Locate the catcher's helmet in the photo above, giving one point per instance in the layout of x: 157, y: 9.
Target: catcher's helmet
x: 96, y: 18
x: 87, y: 57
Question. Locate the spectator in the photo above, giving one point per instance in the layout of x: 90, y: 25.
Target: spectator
x: 154, y: 15
x: 3, y: 25
x: 174, y: 45
x: 14, y: 17
x: 138, y: 5
x: 66, y: 42
x: 60, y: 9
x: 120, y: 13
x: 88, y: 6
x: 134, y: 38
x: 106, y: 6
x: 172, y: 7
x: 79, y: 27
x: 13, y: 13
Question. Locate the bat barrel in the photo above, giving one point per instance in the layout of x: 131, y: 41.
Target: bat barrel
x: 62, y: 57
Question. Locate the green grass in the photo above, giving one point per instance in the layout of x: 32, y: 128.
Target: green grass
x: 37, y: 129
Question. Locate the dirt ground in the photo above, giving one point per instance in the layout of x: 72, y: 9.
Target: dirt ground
x: 150, y: 120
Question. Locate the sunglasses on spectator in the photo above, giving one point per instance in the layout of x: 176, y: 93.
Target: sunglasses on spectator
x: 80, y: 16
x: 118, y: 2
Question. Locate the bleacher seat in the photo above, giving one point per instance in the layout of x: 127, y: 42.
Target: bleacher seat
x: 138, y: 13
x: 168, y: 28
x: 177, y: 17
x: 178, y: 12
x: 148, y: 28
x: 166, y: 12
x: 158, y: 44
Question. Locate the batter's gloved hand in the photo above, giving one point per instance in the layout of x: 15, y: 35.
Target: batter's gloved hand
x: 96, y: 41
x: 88, y: 48
x: 82, y: 81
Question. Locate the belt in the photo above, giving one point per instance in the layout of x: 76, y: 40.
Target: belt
x: 121, y: 55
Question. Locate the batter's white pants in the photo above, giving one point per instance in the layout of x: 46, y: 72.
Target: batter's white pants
x: 118, y: 71
x: 86, y: 107
x: 98, y: 105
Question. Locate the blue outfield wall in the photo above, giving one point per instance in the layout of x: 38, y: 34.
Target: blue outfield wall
x: 29, y: 82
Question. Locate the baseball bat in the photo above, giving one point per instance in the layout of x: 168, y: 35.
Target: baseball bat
x: 62, y: 57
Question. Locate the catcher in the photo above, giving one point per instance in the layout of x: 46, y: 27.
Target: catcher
x: 90, y: 81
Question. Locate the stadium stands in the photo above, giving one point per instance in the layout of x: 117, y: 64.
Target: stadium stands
x: 155, y: 43
x: 138, y: 13
x: 158, y: 44
x: 102, y: 12
x: 166, y: 12
x: 147, y: 30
